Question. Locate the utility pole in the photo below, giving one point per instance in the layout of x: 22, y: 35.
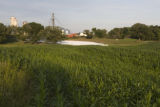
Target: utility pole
x: 53, y: 20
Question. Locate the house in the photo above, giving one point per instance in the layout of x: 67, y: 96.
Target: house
x: 82, y: 35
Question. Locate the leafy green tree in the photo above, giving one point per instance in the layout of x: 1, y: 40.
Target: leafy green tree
x: 14, y: 33
x: 32, y: 30
x: 156, y: 31
x: 100, y: 33
x: 93, y: 31
x: 125, y: 33
x: 116, y: 33
x: 141, y: 31
x: 51, y: 34
x: 2, y: 33
x: 3, y: 38
x: 8, y: 34
x: 2, y: 28
x: 12, y: 30
x: 89, y: 34
x: 21, y: 34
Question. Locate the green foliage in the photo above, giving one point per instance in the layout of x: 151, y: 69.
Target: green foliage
x: 35, y: 32
x: 142, y: 32
x: 32, y: 30
x: 100, y: 33
x: 7, y: 34
x: 89, y: 34
x: 116, y: 33
x: 156, y: 32
x: 11, y: 30
x: 2, y: 28
x: 2, y: 33
x: 137, y: 31
x: 83, y: 76
x: 119, y: 33
x: 3, y: 38
x: 52, y: 34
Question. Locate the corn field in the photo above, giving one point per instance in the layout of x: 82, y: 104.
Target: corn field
x: 83, y: 76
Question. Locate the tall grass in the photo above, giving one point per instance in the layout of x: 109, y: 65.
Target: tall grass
x: 84, y: 76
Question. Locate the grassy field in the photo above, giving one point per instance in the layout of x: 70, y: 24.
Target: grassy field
x: 82, y: 76
x: 114, y: 42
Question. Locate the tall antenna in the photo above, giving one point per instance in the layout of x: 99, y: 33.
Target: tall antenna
x: 53, y: 20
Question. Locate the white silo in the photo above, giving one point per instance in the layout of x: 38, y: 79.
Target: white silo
x: 14, y: 22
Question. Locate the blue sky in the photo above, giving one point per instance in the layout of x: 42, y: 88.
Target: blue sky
x: 78, y: 15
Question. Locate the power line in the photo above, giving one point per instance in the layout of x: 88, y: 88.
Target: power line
x: 58, y: 21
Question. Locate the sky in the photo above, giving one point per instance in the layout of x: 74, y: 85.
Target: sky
x: 78, y: 15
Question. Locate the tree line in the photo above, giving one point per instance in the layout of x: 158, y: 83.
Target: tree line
x: 137, y: 31
x: 34, y: 32
x: 31, y: 32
